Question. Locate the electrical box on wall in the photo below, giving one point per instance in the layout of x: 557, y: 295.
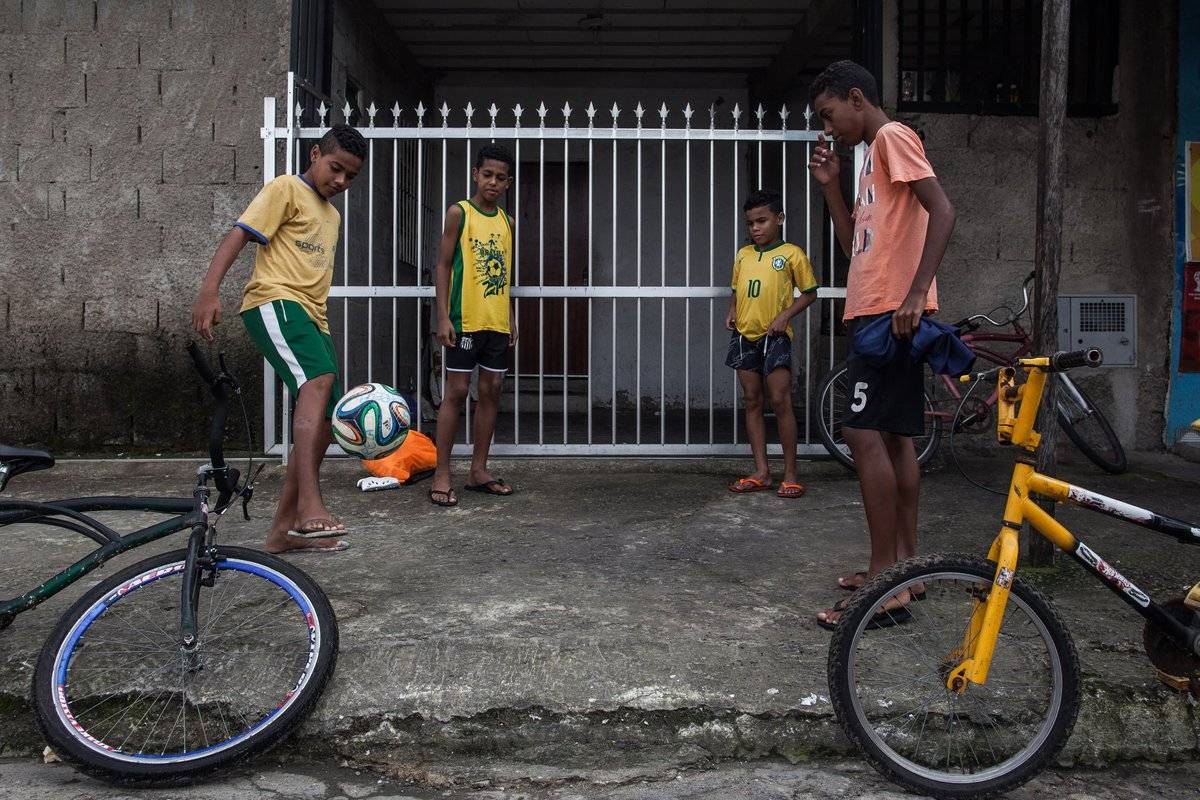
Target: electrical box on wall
x: 1107, y: 321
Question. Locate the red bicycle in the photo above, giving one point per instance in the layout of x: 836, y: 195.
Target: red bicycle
x: 947, y: 409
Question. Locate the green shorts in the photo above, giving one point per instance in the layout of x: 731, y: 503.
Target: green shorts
x: 293, y: 344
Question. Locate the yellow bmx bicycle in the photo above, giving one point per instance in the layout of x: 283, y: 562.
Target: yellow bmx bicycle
x: 972, y: 690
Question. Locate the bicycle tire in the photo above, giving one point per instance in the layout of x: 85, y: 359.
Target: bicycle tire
x: 1090, y: 431
x: 70, y: 729
x: 831, y: 407
x: 844, y: 669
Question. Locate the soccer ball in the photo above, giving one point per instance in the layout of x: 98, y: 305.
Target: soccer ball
x: 371, y: 420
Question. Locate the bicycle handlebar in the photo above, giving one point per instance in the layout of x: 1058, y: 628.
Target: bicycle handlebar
x: 1062, y: 361
x: 216, y: 434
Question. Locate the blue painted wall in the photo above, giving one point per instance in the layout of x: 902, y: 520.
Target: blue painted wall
x: 1183, y: 404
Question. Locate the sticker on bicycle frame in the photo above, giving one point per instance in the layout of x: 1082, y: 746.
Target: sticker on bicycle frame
x: 1112, y: 575
x: 1004, y: 578
x: 1107, y: 505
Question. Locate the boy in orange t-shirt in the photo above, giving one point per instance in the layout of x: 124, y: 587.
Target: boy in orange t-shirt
x: 895, y: 238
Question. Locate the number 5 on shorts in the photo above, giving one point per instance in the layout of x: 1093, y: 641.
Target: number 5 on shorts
x: 860, y: 397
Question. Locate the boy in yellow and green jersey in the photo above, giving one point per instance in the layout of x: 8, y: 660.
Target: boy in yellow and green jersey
x: 766, y: 275
x: 283, y: 308
x: 474, y: 318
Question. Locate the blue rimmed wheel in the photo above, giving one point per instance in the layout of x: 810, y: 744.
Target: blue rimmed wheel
x: 117, y: 694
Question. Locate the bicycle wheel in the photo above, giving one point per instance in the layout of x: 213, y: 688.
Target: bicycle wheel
x: 116, y: 694
x: 888, y: 684
x: 1088, y: 428
x: 832, y: 404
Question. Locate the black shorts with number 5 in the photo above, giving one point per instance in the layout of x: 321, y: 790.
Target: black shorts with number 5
x: 890, y: 398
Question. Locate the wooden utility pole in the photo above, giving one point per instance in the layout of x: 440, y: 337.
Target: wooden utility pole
x: 1052, y: 114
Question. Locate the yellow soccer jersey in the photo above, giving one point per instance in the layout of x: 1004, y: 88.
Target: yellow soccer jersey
x: 481, y: 271
x: 297, y: 232
x: 764, y: 280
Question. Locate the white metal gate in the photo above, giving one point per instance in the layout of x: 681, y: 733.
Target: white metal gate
x: 654, y: 381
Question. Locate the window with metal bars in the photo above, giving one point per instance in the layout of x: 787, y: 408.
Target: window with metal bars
x: 312, y: 55
x: 984, y: 56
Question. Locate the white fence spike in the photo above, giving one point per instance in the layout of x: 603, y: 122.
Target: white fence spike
x: 322, y: 111
x: 299, y: 113
x: 662, y: 113
x: 420, y: 109
x: 492, y: 112
x: 687, y: 114
x: 737, y: 113
x: 760, y: 112
x: 541, y: 110
x: 469, y: 110
x: 637, y: 112
x: 784, y: 114
x: 566, y: 112
x: 807, y: 116
x: 371, y: 112
x: 445, y: 109
x: 614, y: 111
x: 517, y: 112
x: 347, y: 110
x: 396, y: 115
x: 591, y: 112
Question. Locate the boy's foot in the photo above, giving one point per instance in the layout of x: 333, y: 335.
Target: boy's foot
x: 751, y: 484
x: 278, y: 543
x: 484, y: 481
x: 790, y: 489
x: 852, y: 583
x: 335, y: 546
x: 443, y: 497
x: 495, y: 486
x: 890, y: 613
x: 319, y: 528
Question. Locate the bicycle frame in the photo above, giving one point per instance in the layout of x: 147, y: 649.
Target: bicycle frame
x: 112, y: 544
x: 1017, y: 428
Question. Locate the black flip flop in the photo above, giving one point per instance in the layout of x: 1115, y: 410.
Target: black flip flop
x: 450, y: 500
x: 487, y: 488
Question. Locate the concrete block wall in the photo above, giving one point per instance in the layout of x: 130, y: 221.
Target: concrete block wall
x: 128, y: 144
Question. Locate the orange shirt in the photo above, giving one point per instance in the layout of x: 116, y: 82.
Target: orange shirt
x: 889, y: 224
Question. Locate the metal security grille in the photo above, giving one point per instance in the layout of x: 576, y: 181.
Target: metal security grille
x: 627, y: 224
x: 1101, y: 316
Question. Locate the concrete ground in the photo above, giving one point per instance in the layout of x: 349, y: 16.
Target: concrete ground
x: 26, y: 779
x: 624, y: 616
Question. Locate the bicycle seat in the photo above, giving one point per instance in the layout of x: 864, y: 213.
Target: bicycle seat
x: 15, y: 460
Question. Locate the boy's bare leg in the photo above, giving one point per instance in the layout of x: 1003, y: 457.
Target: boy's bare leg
x: 779, y: 388
x: 903, y: 456
x: 877, y: 482
x: 300, y: 501
x: 457, y: 384
x: 756, y: 430
x: 490, y: 384
x: 908, y: 490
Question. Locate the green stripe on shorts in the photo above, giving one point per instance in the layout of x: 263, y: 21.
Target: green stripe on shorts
x: 293, y: 345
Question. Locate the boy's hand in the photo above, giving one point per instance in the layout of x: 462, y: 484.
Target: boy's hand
x: 778, y: 326
x: 206, y: 313
x: 907, y: 318
x: 824, y: 164
x: 446, y: 335
x: 512, y: 334
x: 731, y: 320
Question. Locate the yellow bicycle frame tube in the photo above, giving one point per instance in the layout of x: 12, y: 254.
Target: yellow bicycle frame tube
x: 979, y: 641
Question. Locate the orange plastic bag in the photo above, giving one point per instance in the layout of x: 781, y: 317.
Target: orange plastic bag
x: 413, y: 460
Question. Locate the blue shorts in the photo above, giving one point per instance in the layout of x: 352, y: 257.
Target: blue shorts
x: 763, y: 355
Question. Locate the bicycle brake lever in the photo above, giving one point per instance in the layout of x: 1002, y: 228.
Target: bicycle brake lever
x: 248, y: 491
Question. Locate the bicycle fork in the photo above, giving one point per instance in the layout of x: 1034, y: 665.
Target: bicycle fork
x: 979, y: 641
x: 198, y: 570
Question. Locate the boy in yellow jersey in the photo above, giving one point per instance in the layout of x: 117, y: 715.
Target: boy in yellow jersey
x: 283, y: 308
x: 475, y: 320
x: 765, y: 277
